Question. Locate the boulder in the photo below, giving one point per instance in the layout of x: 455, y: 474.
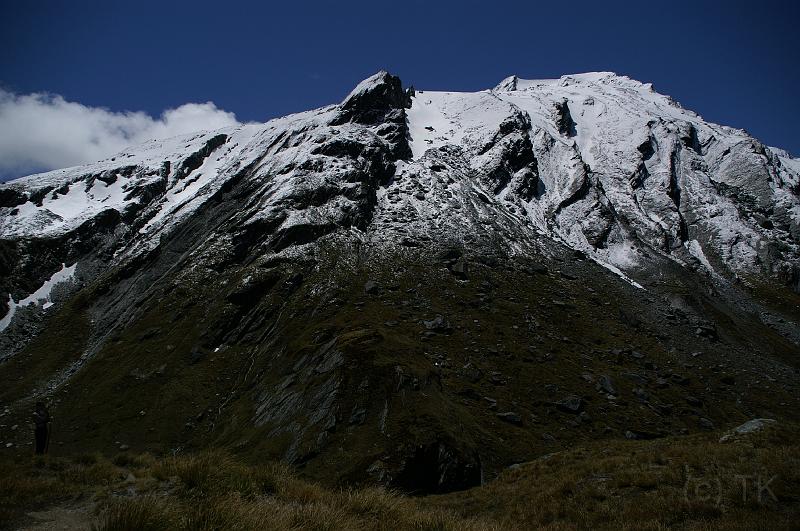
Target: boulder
x: 605, y: 385
x: 498, y: 378
x: 693, y: 401
x: 639, y: 435
x: 437, y: 324
x: 707, y: 331
x: 535, y: 268
x: 571, y: 404
x: 751, y: 426
x: 371, y: 287
x: 472, y: 373
x: 705, y: 423
x: 459, y: 269
x: 512, y: 417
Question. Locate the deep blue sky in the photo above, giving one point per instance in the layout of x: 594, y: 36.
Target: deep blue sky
x: 734, y: 62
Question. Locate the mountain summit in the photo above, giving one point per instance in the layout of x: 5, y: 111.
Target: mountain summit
x: 598, y: 161
x: 411, y: 287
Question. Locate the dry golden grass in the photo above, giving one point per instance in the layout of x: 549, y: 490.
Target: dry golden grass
x: 33, y: 483
x: 686, y: 483
x: 603, y: 485
x: 207, y: 491
x: 143, y: 513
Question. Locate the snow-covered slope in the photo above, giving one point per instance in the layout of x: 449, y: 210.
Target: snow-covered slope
x: 615, y: 169
x: 597, y: 161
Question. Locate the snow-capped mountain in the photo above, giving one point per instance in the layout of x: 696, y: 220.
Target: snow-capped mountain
x: 598, y: 161
x: 689, y: 227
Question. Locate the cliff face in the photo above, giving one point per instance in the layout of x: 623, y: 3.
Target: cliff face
x: 410, y: 284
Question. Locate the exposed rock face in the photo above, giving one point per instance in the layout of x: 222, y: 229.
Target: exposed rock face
x: 627, y: 173
x: 596, y: 160
x: 338, y: 287
x: 380, y: 101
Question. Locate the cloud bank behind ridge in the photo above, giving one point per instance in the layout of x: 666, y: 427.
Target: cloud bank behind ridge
x: 40, y: 132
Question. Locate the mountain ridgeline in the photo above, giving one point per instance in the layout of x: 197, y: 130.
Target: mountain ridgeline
x: 411, y: 288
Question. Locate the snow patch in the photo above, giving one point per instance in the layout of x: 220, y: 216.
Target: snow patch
x: 617, y: 271
x: 696, y: 250
x: 65, y: 274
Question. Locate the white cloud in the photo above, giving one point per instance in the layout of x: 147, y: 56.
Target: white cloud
x: 43, y: 131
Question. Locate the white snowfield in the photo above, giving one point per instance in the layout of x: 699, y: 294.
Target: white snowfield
x: 598, y: 161
x: 76, y: 198
x: 612, y: 117
x: 42, y: 296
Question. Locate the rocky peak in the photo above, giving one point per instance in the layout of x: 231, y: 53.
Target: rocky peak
x: 508, y: 84
x: 379, y: 102
x: 372, y: 99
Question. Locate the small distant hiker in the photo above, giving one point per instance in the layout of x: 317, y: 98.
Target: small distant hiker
x: 41, y: 433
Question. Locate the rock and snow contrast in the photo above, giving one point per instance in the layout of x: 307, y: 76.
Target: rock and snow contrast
x: 611, y: 167
x: 595, y: 177
x: 598, y: 161
x: 41, y: 295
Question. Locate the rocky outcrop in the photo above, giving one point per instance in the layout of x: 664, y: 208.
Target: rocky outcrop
x: 194, y: 160
x: 380, y: 101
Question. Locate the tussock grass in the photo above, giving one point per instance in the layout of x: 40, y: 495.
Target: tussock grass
x: 210, y: 491
x: 29, y: 489
x: 145, y: 513
x: 601, y: 485
x: 690, y: 482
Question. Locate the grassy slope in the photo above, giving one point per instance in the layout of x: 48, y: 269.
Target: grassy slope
x: 598, y: 485
x: 692, y: 482
x: 547, y: 336
x: 204, y: 491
